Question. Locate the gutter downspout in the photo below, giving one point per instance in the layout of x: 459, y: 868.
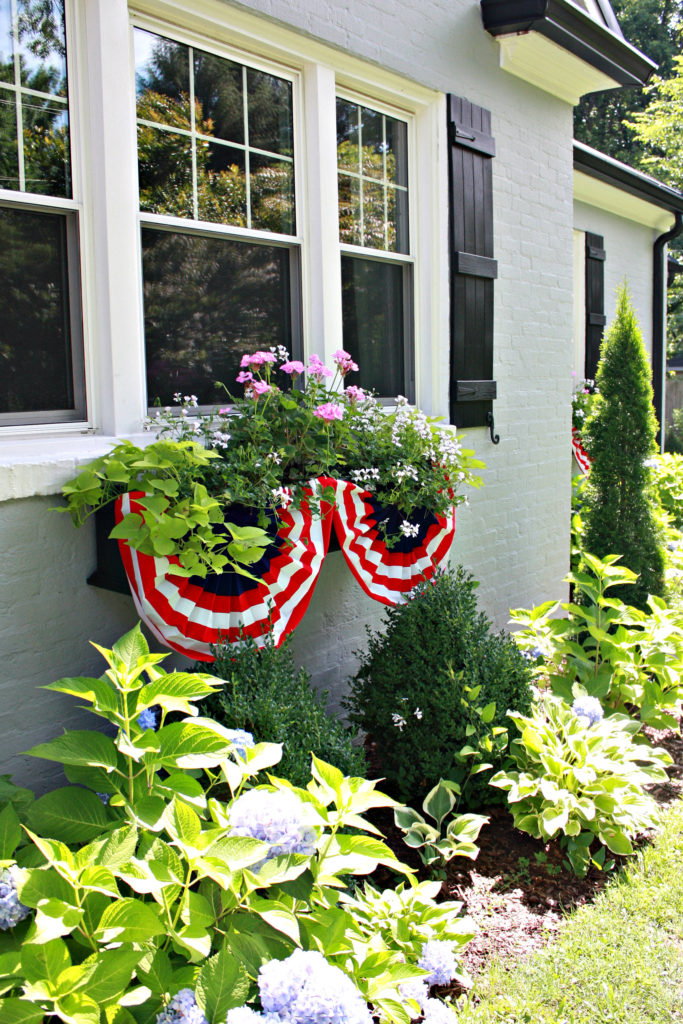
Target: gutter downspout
x: 659, y: 321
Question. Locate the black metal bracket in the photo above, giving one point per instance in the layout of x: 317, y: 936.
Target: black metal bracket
x: 492, y: 426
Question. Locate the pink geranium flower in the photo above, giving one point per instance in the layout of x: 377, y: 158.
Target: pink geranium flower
x: 354, y: 394
x: 294, y: 366
x: 243, y: 377
x: 259, y: 387
x: 257, y: 359
x: 317, y: 368
x: 329, y: 411
x: 344, y: 361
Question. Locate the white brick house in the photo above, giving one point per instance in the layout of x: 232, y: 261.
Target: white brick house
x: 393, y: 65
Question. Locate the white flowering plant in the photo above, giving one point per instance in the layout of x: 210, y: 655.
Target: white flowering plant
x: 159, y: 885
x: 289, y: 425
x: 582, y: 776
x: 630, y: 660
x: 583, y: 400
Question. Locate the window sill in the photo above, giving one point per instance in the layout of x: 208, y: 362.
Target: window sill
x: 41, y: 465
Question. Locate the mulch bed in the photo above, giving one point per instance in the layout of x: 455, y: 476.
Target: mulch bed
x: 517, y: 890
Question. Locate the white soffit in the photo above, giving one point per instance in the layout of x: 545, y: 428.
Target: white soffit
x: 614, y: 200
x: 550, y: 67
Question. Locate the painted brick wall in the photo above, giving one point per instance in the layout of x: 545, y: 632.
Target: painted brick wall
x: 514, y: 535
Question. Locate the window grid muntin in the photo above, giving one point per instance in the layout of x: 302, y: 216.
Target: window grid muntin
x: 194, y: 135
x: 19, y: 90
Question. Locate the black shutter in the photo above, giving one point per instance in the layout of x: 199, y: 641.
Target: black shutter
x: 473, y: 269
x: 595, y: 301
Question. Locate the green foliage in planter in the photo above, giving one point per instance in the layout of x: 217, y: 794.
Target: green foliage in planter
x: 409, y: 689
x: 626, y: 658
x: 266, y: 695
x: 582, y: 779
x: 137, y: 883
x: 619, y: 510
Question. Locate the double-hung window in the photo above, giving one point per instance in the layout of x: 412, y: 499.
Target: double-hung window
x: 374, y: 235
x: 41, y: 347
x: 220, y: 250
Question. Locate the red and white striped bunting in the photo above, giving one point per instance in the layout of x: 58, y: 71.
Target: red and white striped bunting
x: 580, y: 454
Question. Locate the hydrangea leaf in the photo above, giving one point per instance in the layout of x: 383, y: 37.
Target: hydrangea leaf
x: 222, y: 984
x: 70, y: 814
x: 19, y: 1011
x: 129, y: 920
x: 186, y: 745
x: 44, y: 962
x: 78, y: 1008
x: 10, y: 832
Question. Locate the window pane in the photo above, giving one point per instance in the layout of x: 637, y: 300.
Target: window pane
x: 165, y: 172
x: 6, y: 44
x: 162, y: 79
x: 47, y: 166
x: 218, y: 97
x: 372, y: 160
x: 374, y: 323
x: 207, y: 301
x: 9, y: 158
x: 35, y: 333
x: 272, y: 194
x: 42, y: 45
x: 270, y: 112
x: 221, y: 184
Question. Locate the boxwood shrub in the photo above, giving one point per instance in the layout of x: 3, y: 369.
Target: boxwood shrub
x: 266, y: 695
x: 407, y: 692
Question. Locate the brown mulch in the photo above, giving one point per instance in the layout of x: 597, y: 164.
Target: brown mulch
x: 517, y: 890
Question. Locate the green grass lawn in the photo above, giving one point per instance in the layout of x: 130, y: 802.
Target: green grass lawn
x: 618, y: 961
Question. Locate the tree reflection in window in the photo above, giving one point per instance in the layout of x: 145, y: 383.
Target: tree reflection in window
x: 33, y: 98
x: 372, y: 162
x: 214, y: 138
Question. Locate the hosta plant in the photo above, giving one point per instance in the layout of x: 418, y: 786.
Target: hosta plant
x: 581, y: 776
x: 168, y: 873
x: 626, y: 658
x: 450, y: 835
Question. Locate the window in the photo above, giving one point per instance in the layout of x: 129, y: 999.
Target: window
x: 372, y: 168
x: 41, y: 349
x: 217, y: 201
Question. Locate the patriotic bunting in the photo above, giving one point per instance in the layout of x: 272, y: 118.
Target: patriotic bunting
x: 387, y: 574
x: 190, y: 614
x: 580, y: 453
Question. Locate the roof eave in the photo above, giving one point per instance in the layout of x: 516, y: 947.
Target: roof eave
x: 613, y: 172
x: 568, y: 26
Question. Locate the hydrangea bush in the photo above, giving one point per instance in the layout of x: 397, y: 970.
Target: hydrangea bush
x: 288, y: 425
x: 629, y: 660
x: 583, y: 777
x: 168, y: 905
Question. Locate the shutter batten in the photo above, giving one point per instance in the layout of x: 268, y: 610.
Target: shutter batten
x: 473, y: 268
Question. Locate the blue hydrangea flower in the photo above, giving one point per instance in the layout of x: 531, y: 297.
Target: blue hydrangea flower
x: 11, y: 910
x: 104, y: 797
x: 417, y: 989
x: 439, y: 959
x: 147, y: 719
x: 590, y: 708
x: 275, y: 818
x: 438, y: 1012
x: 241, y: 741
x: 533, y: 654
x: 182, y: 1009
x: 305, y: 989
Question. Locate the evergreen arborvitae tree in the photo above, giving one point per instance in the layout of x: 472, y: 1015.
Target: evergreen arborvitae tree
x: 619, y: 511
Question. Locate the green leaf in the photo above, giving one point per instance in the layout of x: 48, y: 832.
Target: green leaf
x: 80, y: 747
x: 53, y: 919
x: 98, y: 691
x: 438, y: 803
x: 19, y: 1011
x: 183, y: 824
x: 129, y: 920
x: 10, y: 832
x: 486, y: 714
x: 70, y: 814
x: 327, y: 774
x: 78, y: 1008
x: 222, y: 984
x: 119, y: 847
x: 114, y: 970
x: 131, y: 647
x: 174, y: 692
x: 617, y: 842
x: 155, y: 971
x: 186, y: 745
x: 44, y: 962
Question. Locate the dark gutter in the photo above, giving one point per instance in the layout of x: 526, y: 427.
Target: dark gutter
x: 659, y: 276
x: 573, y: 29
x: 613, y: 172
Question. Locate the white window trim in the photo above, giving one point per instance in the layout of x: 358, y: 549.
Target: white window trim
x: 102, y: 93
